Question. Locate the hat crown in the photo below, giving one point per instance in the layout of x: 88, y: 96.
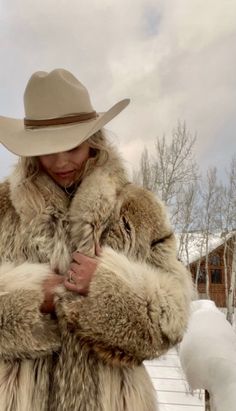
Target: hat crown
x: 55, y: 94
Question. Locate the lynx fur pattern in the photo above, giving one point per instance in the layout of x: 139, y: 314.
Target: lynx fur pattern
x: 90, y: 357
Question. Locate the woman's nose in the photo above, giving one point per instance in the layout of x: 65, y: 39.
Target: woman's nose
x: 61, y: 159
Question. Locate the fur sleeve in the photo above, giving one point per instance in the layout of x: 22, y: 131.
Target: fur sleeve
x: 24, y: 331
x: 134, y: 311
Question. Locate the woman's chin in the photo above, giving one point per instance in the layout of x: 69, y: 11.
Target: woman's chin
x: 64, y: 182
x: 67, y: 180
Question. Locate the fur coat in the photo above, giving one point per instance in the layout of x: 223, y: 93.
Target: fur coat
x: 89, y: 356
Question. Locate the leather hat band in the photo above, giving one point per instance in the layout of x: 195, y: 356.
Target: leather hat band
x: 74, y: 118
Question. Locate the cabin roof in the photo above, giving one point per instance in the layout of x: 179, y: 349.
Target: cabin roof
x: 196, y: 247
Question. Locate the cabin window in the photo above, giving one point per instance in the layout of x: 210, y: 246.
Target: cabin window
x: 214, y: 259
x: 216, y: 277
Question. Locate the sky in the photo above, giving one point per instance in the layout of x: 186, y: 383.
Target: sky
x: 175, y: 59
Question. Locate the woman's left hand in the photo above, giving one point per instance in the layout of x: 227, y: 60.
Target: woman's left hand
x: 81, y: 272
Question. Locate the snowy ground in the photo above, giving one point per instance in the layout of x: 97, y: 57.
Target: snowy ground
x: 172, y: 389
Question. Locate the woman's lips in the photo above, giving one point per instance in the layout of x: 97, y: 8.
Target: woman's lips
x: 65, y: 174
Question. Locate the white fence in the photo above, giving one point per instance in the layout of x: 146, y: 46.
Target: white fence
x: 205, y: 360
x: 173, y: 391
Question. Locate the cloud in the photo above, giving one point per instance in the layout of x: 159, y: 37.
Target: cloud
x: 174, y: 59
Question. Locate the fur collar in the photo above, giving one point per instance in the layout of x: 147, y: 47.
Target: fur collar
x: 42, y: 196
x: 60, y: 225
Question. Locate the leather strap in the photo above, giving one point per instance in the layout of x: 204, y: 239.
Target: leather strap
x: 74, y: 118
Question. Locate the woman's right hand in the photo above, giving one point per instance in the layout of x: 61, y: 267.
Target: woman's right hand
x: 49, y: 286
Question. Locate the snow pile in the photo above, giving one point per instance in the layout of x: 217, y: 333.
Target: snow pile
x: 208, y: 355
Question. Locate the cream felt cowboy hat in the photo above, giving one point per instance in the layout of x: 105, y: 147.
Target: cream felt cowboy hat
x: 58, y: 116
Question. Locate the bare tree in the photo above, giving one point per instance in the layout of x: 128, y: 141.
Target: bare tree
x: 210, y: 215
x: 144, y: 174
x: 229, y: 226
x: 187, y: 218
x: 231, y: 298
x: 172, y: 173
x: 170, y: 169
x: 174, y: 164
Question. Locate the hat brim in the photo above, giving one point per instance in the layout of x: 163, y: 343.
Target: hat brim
x: 53, y: 139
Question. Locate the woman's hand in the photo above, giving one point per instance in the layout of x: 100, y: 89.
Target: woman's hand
x: 81, y: 272
x: 49, y: 286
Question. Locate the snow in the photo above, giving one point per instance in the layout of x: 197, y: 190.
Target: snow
x: 208, y: 355
x: 172, y: 389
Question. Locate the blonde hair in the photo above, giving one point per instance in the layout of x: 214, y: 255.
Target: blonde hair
x: 100, y: 152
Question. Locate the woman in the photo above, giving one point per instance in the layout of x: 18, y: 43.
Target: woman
x: 89, y: 281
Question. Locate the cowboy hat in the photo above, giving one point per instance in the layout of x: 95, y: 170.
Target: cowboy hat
x: 58, y: 116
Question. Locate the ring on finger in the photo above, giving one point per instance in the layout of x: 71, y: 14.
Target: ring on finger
x: 70, y: 278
